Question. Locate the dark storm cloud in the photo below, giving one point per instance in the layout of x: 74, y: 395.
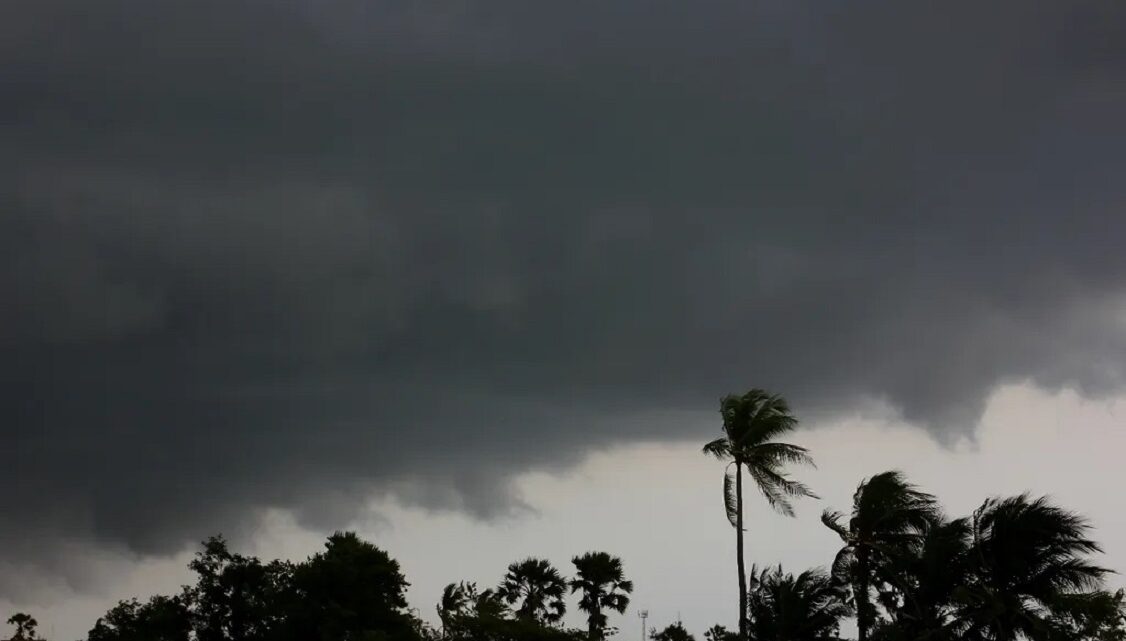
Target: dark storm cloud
x: 259, y: 253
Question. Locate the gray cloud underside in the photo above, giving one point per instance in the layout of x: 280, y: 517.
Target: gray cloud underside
x: 258, y: 252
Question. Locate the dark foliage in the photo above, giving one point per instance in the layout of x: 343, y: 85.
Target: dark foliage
x: 888, y: 518
x: 784, y: 607
x: 602, y: 586
x: 674, y: 632
x: 352, y: 590
x: 536, y: 589
x: 25, y: 627
x: 162, y: 618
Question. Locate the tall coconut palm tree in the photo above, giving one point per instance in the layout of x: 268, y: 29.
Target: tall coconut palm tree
x: 538, y: 588
x: 888, y: 517
x: 806, y: 607
x: 751, y: 422
x: 1029, y: 558
x: 603, y: 585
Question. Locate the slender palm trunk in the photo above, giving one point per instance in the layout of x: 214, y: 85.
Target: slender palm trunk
x: 739, y: 551
x: 863, y: 605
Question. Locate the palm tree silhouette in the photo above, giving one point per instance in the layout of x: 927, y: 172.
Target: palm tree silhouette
x: 537, y: 587
x: 751, y: 422
x: 603, y: 585
x: 456, y: 599
x: 1027, y: 558
x: 918, y: 588
x: 888, y: 517
x: 784, y: 607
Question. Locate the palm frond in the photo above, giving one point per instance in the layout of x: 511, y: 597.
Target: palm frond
x: 784, y: 484
x: 778, y: 454
x: 730, y: 498
x: 775, y: 494
x: 832, y: 520
x: 720, y: 448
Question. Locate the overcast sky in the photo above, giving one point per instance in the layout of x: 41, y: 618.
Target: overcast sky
x: 275, y: 268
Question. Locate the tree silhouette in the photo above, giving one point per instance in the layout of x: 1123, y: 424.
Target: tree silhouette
x: 918, y: 587
x: 784, y: 607
x: 160, y: 619
x: 236, y: 597
x: 888, y: 518
x: 455, y: 602
x: 538, y: 588
x: 25, y: 626
x: 674, y: 632
x: 349, y: 590
x: 600, y: 579
x: 1028, y: 564
x: 751, y: 422
x: 719, y: 633
x: 464, y: 610
x: 1099, y: 615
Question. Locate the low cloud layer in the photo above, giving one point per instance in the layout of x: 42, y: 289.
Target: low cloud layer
x: 270, y: 254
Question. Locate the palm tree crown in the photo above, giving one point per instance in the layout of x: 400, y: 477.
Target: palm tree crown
x: 751, y: 422
x: 1028, y: 560
x: 537, y: 587
x: 603, y: 585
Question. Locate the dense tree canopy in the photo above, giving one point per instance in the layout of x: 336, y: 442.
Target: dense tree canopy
x: 162, y: 618
x: 784, y: 607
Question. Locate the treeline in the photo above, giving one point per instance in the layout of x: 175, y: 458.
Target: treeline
x: 1016, y: 568
x: 354, y: 591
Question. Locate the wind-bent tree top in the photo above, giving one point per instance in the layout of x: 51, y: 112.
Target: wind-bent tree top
x: 886, y: 509
x: 751, y: 422
x: 1029, y: 565
x: 888, y: 518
